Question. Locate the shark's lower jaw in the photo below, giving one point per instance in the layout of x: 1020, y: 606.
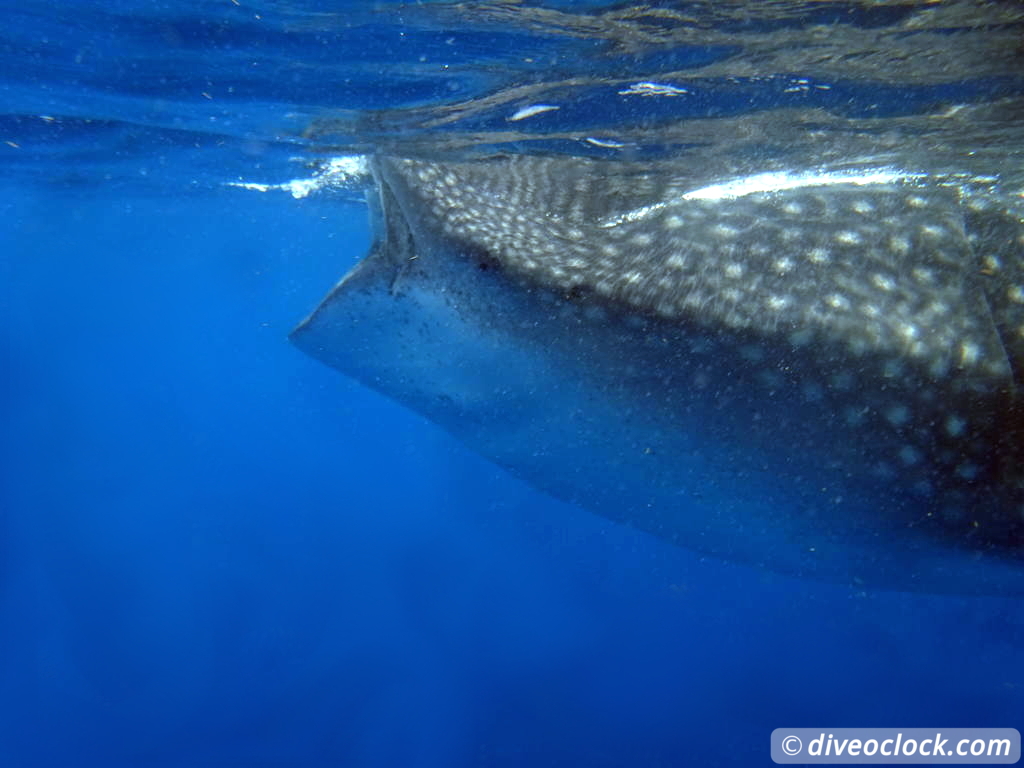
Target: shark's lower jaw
x: 720, y: 395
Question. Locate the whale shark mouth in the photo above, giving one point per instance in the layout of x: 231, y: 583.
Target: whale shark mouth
x: 815, y: 374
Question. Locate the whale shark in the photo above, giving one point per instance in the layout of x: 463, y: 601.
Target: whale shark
x: 814, y: 374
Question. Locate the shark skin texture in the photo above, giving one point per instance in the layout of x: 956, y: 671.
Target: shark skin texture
x: 817, y: 376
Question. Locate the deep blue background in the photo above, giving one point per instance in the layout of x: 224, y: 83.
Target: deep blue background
x: 218, y: 552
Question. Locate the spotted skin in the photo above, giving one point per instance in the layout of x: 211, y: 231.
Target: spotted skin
x: 819, y: 379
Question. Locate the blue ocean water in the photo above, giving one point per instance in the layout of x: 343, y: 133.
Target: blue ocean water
x: 217, y: 552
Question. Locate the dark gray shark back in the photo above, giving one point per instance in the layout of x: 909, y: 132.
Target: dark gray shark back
x: 817, y: 375
x: 896, y: 268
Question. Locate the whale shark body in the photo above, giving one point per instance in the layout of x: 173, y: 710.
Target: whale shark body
x: 817, y: 375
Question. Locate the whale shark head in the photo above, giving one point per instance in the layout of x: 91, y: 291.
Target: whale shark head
x: 815, y: 374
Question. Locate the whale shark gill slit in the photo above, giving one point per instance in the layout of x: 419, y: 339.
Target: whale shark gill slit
x: 817, y: 376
